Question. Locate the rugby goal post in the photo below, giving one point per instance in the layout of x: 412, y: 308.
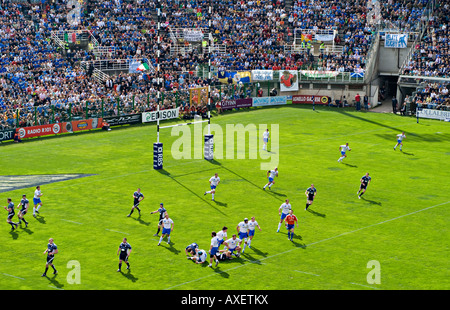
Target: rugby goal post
x: 208, y: 150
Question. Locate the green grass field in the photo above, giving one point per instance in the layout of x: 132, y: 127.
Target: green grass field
x: 401, y: 221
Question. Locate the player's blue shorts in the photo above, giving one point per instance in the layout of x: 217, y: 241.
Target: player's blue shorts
x: 266, y: 140
x: 283, y: 215
x: 220, y: 242
x: 166, y: 231
x: 231, y: 250
x: 243, y: 235
x: 214, y: 251
x: 270, y: 179
x: 399, y: 141
x: 290, y: 226
x: 251, y: 232
x: 213, y: 187
x: 342, y: 153
x: 36, y: 200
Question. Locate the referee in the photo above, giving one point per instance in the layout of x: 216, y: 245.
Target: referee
x: 51, y: 250
x: 161, y: 211
x: 124, y: 253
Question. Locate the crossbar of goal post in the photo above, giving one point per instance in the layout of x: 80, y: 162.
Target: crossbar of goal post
x: 208, y: 138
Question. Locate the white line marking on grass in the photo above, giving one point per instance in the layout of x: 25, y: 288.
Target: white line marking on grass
x: 71, y: 222
x: 317, y: 242
x: 374, y: 288
x: 313, y: 274
x: 120, y: 232
x: 10, y: 275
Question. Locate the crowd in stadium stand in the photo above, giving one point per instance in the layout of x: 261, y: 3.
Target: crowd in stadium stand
x: 44, y: 83
x: 433, y: 96
x: 431, y: 54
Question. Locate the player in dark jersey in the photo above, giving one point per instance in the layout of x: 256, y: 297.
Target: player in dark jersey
x: 138, y: 197
x: 124, y: 253
x: 190, y: 249
x: 365, y: 181
x: 310, y: 194
x: 51, y: 250
x: 10, y: 209
x: 24, y: 203
x: 161, y: 212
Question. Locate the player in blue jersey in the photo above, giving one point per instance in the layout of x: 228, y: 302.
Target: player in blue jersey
x: 51, y: 250
x: 343, y: 149
x: 190, y: 249
x: 138, y: 197
x: 24, y: 203
x: 162, y: 211
x: 310, y: 194
x: 124, y: 252
x: 10, y: 209
x: 365, y: 181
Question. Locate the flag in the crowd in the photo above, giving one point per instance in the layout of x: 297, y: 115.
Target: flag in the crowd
x: 243, y: 76
x: 143, y: 67
x: 306, y: 37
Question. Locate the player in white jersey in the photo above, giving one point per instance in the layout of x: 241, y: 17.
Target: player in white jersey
x: 214, y: 249
x: 242, y: 229
x: 266, y: 137
x: 167, y: 225
x: 37, y: 200
x: 343, y: 149
x: 222, y: 235
x: 271, y: 174
x: 233, y: 245
x: 213, y: 182
x: 252, y: 224
x: 400, y: 138
x: 199, y: 257
x: 283, y: 211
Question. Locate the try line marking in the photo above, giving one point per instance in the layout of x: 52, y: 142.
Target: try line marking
x: 317, y: 242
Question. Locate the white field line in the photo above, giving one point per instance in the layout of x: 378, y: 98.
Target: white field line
x: 317, y: 242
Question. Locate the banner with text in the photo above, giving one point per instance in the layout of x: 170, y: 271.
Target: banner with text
x: 38, y: 131
x: 269, y: 101
x: 262, y: 75
x: 434, y: 114
x: 309, y: 99
x: 396, y: 40
x: 163, y: 115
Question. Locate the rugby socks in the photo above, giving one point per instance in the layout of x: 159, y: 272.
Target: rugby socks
x: 265, y: 186
x: 212, y: 196
x: 120, y: 266
x: 307, y: 205
x: 360, y: 194
x: 279, y: 225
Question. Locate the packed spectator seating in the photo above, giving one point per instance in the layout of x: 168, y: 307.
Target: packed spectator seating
x: 433, y: 96
x: 41, y: 82
x: 431, y: 54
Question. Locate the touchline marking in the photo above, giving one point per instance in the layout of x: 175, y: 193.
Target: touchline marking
x: 120, y: 232
x: 9, y: 275
x: 313, y: 274
x: 374, y: 288
x: 71, y: 222
x: 317, y: 242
